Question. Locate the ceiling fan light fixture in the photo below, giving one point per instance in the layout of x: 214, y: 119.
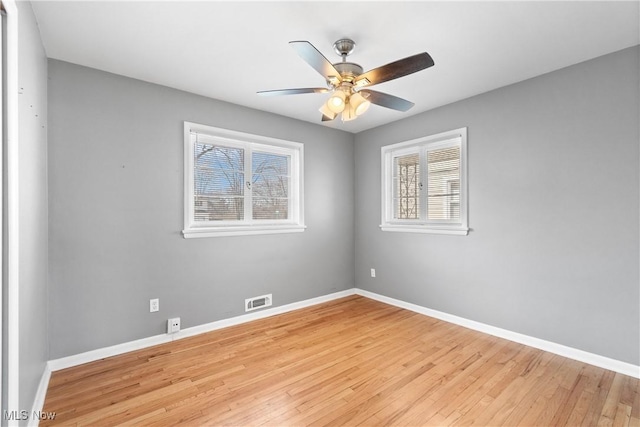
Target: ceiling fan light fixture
x: 325, y: 110
x: 359, y: 103
x: 337, y: 101
x: 349, y: 113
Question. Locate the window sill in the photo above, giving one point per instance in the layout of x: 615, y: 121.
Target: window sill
x: 241, y: 230
x: 413, y: 228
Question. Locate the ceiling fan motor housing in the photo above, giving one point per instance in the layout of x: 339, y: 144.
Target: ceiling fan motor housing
x: 348, y: 71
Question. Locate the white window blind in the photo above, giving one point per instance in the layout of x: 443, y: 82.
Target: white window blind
x: 270, y: 186
x: 218, y: 183
x: 424, y: 185
x: 443, y: 177
x: 240, y: 184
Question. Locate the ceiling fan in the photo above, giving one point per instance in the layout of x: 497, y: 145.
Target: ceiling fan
x: 346, y: 80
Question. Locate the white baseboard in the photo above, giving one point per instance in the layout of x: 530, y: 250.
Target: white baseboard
x: 559, y: 349
x: 90, y: 356
x: 569, y: 352
x: 41, y: 393
x: 101, y: 353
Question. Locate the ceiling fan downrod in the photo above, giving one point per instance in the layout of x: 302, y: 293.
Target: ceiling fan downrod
x: 349, y: 71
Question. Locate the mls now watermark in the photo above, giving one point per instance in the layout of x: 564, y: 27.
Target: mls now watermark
x: 26, y: 415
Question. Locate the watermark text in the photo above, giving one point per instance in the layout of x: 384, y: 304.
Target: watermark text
x: 27, y: 415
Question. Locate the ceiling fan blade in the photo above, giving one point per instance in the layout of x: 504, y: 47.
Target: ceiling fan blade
x: 317, y: 60
x: 395, y: 70
x: 386, y: 100
x: 326, y: 118
x: 292, y: 91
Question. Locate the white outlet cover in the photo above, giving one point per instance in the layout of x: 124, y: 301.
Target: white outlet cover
x: 154, y: 305
x: 173, y: 325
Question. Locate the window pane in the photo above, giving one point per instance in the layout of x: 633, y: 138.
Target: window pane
x: 214, y: 157
x: 270, y: 208
x: 406, y: 186
x: 219, y: 183
x: 270, y: 185
x: 211, y: 208
x: 275, y: 164
x: 443, y: 169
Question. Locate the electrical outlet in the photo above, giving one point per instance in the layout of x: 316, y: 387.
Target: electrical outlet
x: 154, y: 305
x: 173, y: 325
x: 373, y: 272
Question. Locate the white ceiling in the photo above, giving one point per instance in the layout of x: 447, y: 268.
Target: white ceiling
x: 230, y: 50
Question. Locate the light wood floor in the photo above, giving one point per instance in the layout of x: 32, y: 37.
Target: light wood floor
x: 353, y: 361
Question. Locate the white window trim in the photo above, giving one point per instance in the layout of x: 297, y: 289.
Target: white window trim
x: 295, y: 224
x: 423, y: 144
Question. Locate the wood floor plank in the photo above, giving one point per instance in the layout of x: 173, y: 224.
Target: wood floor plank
x: 493, y: 370
x: 352, y: 361
x: 582, y: 406
x: 610, y: 407
x: 445, y: 387
x: 514, y: 412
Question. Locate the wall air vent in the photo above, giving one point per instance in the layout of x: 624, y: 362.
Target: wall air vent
x: 257, y: 302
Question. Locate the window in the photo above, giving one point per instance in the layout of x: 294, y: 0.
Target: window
x: 237, y: 183
x: 424, y: 184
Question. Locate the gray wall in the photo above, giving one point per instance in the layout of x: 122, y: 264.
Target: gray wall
x: 554, y: 211
x: 115, y: 214
x: 32, y: 134
x: 553, y: 197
